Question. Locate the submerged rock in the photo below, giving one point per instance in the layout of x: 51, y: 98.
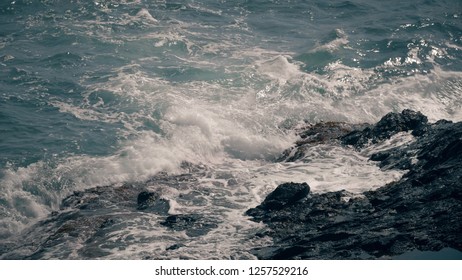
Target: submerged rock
x: 151, y: 201
x: 422, y: 211
x: 193, y: 224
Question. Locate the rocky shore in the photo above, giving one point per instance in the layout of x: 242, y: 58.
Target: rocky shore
x: 413, y: 217
x: 420, y: 213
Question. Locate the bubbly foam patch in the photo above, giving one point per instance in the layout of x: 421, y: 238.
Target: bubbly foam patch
x: 26, y: 196
x: 279, y: 68
x: 359, y: 95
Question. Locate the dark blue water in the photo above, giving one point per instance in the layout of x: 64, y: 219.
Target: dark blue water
x: 104, y: 92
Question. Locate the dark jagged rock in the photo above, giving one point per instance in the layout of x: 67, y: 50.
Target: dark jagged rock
x: 421, y: 212
x: 285, y: 195
x: 193, y: 224
x: 388, y: 126
x: 357, y: 135
x: 324, y: 132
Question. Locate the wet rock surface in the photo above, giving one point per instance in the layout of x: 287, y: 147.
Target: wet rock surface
x: 388, y: 126
x: 421, y: 212
x: 324, y: 132
x: 285, y: 195
x: 94, y: 216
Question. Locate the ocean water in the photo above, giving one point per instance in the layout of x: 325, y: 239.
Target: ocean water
x: 97, y: 93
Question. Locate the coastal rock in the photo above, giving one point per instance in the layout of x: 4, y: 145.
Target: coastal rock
x: 285, y: 195
x: 419, y: 213
x: 326, y: 131
x: 388, y: 126
x: 313, y: 134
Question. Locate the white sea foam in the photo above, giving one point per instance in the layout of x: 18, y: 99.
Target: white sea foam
x: 400, y: 139
x: 204, y: 9
x: 334, y: 45
x: 280, y: 69
x: 25, y: 197
x: 359, y: 95
x: 144, y: 14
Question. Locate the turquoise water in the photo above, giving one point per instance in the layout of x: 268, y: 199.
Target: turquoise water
x: 105, y: 92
